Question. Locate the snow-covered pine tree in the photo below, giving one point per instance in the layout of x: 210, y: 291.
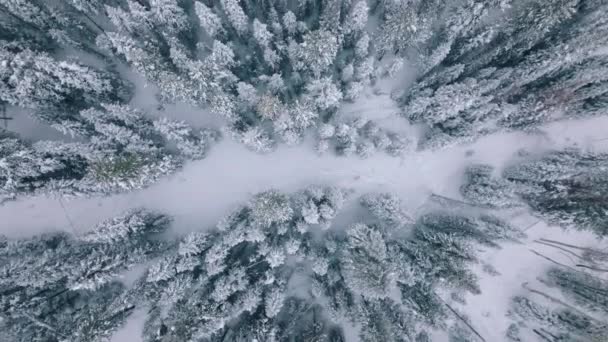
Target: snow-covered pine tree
x: 580, y: 316
x: 237, y: 273
x: 57, y: 287
x: 361, y: 137
x: 28, y: 169
x: 54, y: 89
x: 486, y: 65
x: 586, y: 290
x: 268, y: 262
x: 292, y: 57
x: 568, y: 188
x: 485, y: 189
x: 532, y: 63
x: 52, y: 26
x: 123, y: 150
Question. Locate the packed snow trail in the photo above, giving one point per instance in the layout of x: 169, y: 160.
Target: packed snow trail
x: 206, y: 190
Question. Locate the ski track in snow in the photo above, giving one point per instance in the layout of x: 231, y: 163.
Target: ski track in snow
x: 205, y: 190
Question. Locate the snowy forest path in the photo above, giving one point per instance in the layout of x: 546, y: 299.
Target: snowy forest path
x: 207, y: 189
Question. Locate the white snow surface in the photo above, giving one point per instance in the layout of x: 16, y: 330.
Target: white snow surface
x: 205, y: 190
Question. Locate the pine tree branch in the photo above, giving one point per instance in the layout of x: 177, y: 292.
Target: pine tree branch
x: 255, y: 264
x: 101, y: 29
x: 42, y: 324
x: 123, y: 311
x: 58, y: 293
x: 549, y: 333
x: 600, y: 291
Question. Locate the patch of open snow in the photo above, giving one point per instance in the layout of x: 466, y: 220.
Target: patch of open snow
x: 378, y: 106
x: 133, y: 328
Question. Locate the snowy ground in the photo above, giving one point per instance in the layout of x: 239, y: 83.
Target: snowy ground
x: 208, y: 189
x: 517, y: 265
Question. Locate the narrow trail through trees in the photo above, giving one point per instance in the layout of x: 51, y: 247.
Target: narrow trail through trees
x: 207, y: 189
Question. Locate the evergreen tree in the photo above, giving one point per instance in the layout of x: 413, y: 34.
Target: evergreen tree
x: 509, y: 72
x: 565, y: 187
x: 585, y: 290
x: 27, y: 169
x: 485, y: 65
x: 483, y: 188
x: 290, y: 59
x: 286, y: 267
x: 57, y: 287
x: 362, y: 138
x: 556, y: 320
x: 237, y: 281
x: 51, y: 26
x: 34, y: 80
x: 124, y: 150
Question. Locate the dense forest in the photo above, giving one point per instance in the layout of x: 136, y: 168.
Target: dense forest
x: 389, y: 84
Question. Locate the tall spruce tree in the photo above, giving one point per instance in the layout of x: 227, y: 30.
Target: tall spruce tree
x: 58, y: 287
x: 579, y: 317
x: 269, y: 261
x: 568, y: 188
x: 122, y: 150
x: 533, y: 62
